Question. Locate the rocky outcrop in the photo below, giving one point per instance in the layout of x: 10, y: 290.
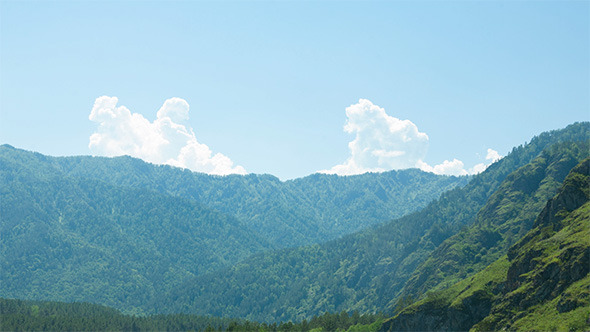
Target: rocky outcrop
x: 572, y: 263
x: 550, y: 258
x: 440, y: 315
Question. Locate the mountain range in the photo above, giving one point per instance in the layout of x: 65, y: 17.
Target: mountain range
x: 507, y: 248
x: 122, y: 232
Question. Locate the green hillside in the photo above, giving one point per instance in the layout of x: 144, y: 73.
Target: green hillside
x: 365, y: 271
x: 506, y: 217
x: 542, y: 284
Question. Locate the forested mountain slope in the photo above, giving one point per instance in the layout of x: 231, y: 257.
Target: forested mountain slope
x: 309, y: 210
x: 364, y: 271
x: 542, y: 284
x: 69, y: 239
x: 507, y: 216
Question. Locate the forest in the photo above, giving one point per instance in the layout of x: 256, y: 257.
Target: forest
x: 20, y: 315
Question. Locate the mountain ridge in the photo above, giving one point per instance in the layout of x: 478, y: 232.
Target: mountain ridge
x: 75, y: 229
x: 265, y: 201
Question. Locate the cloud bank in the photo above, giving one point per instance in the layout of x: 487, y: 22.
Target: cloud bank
x: 383, y: 142
x: 166, y: 140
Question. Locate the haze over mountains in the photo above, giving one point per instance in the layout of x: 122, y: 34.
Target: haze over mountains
x: 155, y: 239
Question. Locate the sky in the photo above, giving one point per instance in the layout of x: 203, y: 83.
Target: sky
x: 292, y: 88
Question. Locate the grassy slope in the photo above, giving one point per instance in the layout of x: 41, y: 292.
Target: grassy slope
x: 550, y: 265
x: 506, y: 217
x: 546, y: 300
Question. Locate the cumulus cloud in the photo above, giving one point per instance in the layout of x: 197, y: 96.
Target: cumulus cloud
x: 491, y: 157
x: 383, y: 142
x: 478, y: 168
x: 453, y: 167
x: 456, y: 167
x: 166, y: 140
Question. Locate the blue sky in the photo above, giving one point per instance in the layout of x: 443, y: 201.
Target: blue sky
x: 273, y: 85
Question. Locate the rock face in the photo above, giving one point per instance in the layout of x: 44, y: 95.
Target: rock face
x: 439, y: 315
x: 543, y: 279
x: 551, y: 258
x: 572, y: 263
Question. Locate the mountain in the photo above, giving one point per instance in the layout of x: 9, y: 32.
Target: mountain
x: 122, y: 232
x: 69, y: 239
x: 506, y: 217
x: 367, y: 270
x: 309, y: 210
x: 543, y: 283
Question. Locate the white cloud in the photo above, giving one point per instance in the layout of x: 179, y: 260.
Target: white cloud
x: 383, y: 142
x: 165, y: 141
x: 454, y: 167
x: 478, y: 168
x: 493, y: 156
